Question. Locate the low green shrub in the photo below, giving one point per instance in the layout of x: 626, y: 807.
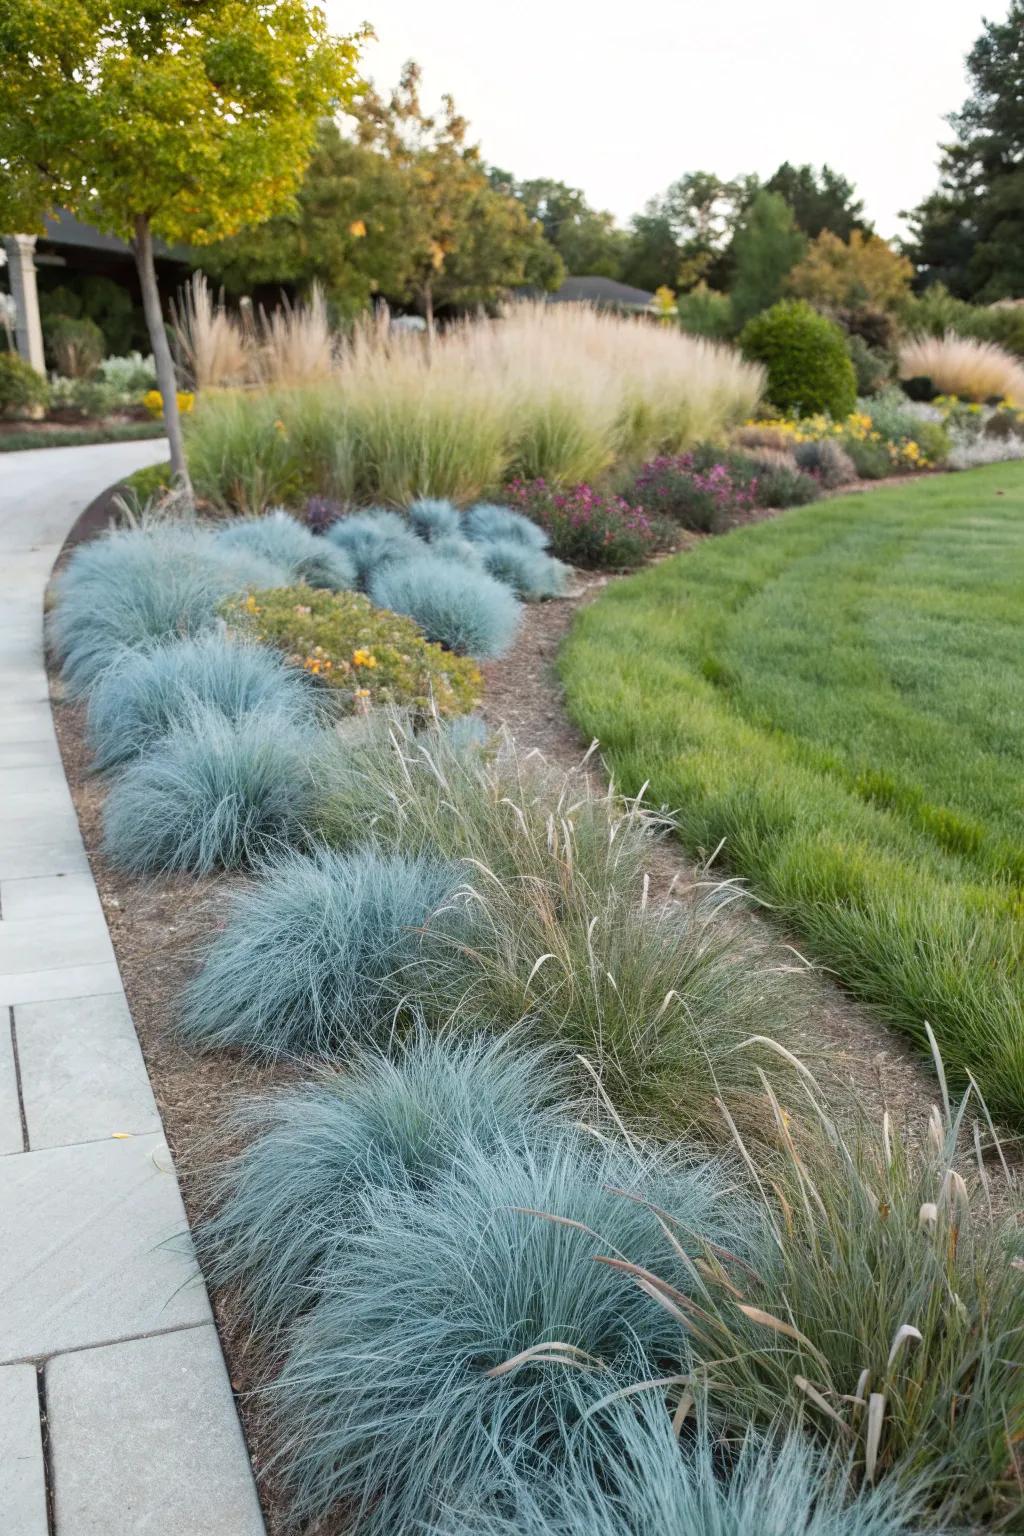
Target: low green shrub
x: 874, y: 370
x: 872, y: 461
x: 22, y: 389
x: 809, y: 369
x: 703, y: 312
x: 782, y: 485
x: 369, y: 655
x: 77, y: 345
x: 78, y: 437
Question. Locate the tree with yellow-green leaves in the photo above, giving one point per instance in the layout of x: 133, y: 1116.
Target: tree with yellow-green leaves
x: 181, y: 120
x: 851, y: 274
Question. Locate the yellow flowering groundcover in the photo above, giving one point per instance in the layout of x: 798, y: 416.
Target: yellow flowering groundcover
x: 367, y: 654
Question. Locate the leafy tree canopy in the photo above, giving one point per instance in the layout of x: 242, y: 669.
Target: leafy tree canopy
x: 585, y: 238
x: 820, y: 200
x: 970, y: 233
x: 851, y: 274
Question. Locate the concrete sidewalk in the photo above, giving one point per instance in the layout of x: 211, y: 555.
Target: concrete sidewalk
x: 116, y: 1414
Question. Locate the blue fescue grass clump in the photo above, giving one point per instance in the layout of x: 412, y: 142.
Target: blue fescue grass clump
x: 319, y: 952
x: 455, y: 547
x: 278, y: 537
x: 465, y: 610
x: 318, y: 1152
x: 132, y: 588
x: 373, y: 540
x: 530, y: 572
x: 433, y: 520
x: 146, y: 693
x: 487, y: 522
x: 636, y: 1479
x: 385, y: 1403
x: 213, y: 794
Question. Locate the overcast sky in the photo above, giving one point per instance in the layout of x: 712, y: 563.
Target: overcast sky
x: 621, y: 99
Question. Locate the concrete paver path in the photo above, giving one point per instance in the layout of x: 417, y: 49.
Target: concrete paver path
x: 116, y: 1414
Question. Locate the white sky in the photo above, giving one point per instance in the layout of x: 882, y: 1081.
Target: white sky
x: 621, y: 99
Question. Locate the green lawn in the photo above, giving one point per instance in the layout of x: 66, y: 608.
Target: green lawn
x: 839, y: 695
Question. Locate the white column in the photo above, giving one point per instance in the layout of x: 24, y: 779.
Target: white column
x: 21, y: 260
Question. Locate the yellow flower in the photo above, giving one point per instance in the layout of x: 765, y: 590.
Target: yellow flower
x: 362, y: 693
x: 362, y: 658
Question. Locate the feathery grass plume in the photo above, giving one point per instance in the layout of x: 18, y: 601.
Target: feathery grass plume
x: 960, y: 365
x: 372, y: 540
x: 465, y: 610
x: 318, y: 1153
x: 143, y: 694
x: 530, y: 572
x: 128, y: 589
x: 486, y: 523
x: 891, y: 1323
x: 211, y: 339
x: 637, y: 1480
x: 319, y: 952
x: 278, y: 537
x: 295, y: 342
x: 657, y: 990
x: 469, y: 1326
x: 433, y: 519
x: 214, y: 794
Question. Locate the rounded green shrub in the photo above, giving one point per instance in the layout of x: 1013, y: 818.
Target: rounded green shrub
x: 22, y: 389
x: 809, y: 368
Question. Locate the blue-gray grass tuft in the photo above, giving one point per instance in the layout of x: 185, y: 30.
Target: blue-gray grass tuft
x: 136, y: 701
x: 463, y: 609
x: 278, y: 537
x: 486, y: 522
x: 373, y: 540
x: 213, y: 794
x: 320, y: 952
x: 433, y: 520
x: 530, y: 572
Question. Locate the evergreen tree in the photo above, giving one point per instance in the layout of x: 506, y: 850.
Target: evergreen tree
x: 970, y: 233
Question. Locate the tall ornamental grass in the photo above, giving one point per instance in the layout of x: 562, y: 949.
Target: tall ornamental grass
x: 890, y: 1320
x: 960, y: 365
x: 557, y: 391
x: 655, y: 988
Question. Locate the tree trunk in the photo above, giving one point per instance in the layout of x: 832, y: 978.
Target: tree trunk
x: 165, y: 375
x: 428, y: 310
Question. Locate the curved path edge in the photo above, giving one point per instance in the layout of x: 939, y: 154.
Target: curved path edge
x: 116, y: 1412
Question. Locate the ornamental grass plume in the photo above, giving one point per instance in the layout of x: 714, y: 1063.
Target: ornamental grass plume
x: 960, y: 365
x: 656, y: 990
x: 890, y: 1322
